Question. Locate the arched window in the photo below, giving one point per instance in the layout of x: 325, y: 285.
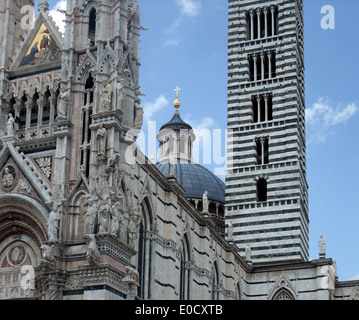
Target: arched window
x: 262, y: 147
x: 34, y: 111
x: 46, y: 108
x: 215, y: 282
x: 86, y: 122
x: 184, y: 270
x: 144, y: 258
x: 238, y: 288
x: 283, y: 294
x: 92, y: 26
x: 262, y: 190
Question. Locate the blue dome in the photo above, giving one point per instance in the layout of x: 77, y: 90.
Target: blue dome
x: 195, y: 180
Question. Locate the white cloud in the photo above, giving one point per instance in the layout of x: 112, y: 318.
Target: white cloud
x: 59, y: 17
x: 322, y: 117
x: 190, y: 8
x: 150, y: 108
x: 171, y: 43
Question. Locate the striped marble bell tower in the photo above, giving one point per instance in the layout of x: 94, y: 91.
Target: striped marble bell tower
x: 266, y: 187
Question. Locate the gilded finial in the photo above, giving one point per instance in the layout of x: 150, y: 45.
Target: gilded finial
x: 177, y: 102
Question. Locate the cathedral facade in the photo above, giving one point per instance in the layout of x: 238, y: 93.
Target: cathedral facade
x: 85, y: 215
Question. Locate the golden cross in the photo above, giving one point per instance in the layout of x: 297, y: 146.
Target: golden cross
x: 177, y: 90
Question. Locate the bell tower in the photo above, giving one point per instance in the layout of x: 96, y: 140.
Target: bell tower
x: 266, y: 186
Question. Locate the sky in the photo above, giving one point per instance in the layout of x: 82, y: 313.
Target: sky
x: 186, y: 46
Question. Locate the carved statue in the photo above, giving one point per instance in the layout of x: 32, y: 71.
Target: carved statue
x: 132, y: 276
x: 132, y: 229
x: 62, y: 105
x: 230, y: 231
x: 10, y: 125
x: 172, y: 164
x: 122, y: 94
x: 8, y: 179
x: 205, y: 201
x: 101, y: 140
x: 321, y: 247
x: 248, y: 253
x: 90, y: 216
x: 48, y: 255
x: 139, y: 115
x: 53, y: 224
x: 117, y: 219
x: 92, y: 255
x: 106, y: 97
x: 104, y: 218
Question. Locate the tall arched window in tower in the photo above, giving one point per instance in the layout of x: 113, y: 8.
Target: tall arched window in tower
x: 262, y: 23
x: 86, y: 122
x: 92, y: 26
x: 144, y: 261
x: 184, y: 270
x: 262, y: 190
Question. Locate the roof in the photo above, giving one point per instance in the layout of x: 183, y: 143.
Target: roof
x: 195, y: 179
x: 176, y: 123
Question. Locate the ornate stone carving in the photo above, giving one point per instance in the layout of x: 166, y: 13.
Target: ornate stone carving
x: 104, y: 218
x: 16, y: 254
x: 133, y: 229
x: 53, y: 223
x: 205, y: 202
x: 45, y: 164
x: 10, y: 125
x: 139, y: 115
x: 92, y: 255
x: 101, y: 136
x: 90, y: 216
x: 121, y: 95
x: 106, y: 97
x: 24, y: 186
x: 74, y: 283
x: 62, y: 105
x: 48, y: 256
x: 132, y: 276
x: 9, y: 177
x: 321, y: 248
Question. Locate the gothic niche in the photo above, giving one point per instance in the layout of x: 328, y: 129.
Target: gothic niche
x: 108, y: 208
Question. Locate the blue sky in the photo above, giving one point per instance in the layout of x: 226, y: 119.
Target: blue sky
x: 186, y: 46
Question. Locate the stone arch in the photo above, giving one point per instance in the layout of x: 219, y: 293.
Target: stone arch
x: 215, y: 281
x: 145, y: 250
x: 23, y: 214
x: 77, y: 209
x: 283, y: 294
x: 23, y: 231
x: 185, y: 270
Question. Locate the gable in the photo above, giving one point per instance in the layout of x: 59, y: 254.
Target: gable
x: 42, y: 49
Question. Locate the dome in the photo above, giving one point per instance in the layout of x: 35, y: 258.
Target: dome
x: 195, y: 180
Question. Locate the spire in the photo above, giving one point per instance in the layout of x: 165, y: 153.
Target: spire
x: 43, y: 6
x: 177, y: 102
